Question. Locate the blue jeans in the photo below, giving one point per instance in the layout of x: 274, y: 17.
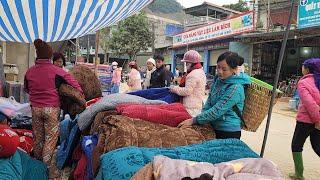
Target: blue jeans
x: 114, y: 89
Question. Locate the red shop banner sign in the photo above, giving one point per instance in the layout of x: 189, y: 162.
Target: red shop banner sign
x: 230, y: 27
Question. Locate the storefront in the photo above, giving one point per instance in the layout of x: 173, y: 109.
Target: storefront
x: 302, y: 44
x: 210, y: 41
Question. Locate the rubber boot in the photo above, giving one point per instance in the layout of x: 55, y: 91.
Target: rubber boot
x: 298, y: 166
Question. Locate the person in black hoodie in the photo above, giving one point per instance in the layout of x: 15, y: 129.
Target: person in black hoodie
x: 161, y: 76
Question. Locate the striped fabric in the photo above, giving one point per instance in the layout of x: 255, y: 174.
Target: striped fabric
x: 57, y: 20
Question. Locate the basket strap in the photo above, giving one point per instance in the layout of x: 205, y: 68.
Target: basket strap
x: 237, y: 110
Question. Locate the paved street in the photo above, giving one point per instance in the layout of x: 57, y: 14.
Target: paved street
x: 279, y: 142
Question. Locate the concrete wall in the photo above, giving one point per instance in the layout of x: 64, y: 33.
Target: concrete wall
x: 4, y: 51
x: 161, y: 40
x: 22, y: 55
x: 244, y: 50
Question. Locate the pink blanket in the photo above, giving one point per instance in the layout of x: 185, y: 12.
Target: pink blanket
x: 164, y: 168
x: 167, y: 114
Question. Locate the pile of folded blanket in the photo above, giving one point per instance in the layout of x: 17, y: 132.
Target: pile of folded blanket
x: 135, y: 136
x: 125, y: 162
x: 110, y: 102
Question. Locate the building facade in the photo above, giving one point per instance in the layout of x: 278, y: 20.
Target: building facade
x: 211, y: 37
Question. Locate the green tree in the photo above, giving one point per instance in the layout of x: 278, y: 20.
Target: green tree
x: 131, y: 36
x: 240, y: 6
x: 105, y: 42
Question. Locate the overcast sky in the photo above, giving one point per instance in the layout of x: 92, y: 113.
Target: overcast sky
x: 190, y: 3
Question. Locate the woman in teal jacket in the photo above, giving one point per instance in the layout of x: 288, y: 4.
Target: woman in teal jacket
x: 227, y: 92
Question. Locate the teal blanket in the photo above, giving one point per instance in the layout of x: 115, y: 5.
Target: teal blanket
x: 125, y: 162
x: 21, y: 166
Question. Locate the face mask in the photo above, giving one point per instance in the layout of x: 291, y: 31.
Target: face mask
x: 114, y: 67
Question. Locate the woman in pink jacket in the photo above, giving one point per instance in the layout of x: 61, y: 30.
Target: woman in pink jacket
x: 134, y: 82
x: 192, y: 86
x: 116, y: 78
x: 308, y: 114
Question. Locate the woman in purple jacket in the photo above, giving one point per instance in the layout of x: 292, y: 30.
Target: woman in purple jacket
x: 308, y: 114
x: 42, y: 82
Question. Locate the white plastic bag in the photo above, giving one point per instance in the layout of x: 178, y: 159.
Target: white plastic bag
x: 11, y: 108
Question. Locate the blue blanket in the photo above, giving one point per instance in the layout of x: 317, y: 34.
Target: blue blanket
x: 88, y: 144
x: 69, y: 136
x: 162, y: 94
x: 125, y: 162
x: 22, y: 166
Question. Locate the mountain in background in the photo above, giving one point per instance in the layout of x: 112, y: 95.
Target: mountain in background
x: 165, y: 6
x: 170, y: 9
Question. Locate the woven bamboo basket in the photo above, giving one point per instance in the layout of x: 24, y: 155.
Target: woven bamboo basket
x: 258, y: 96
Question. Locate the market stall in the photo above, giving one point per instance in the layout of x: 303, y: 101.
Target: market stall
x: 96, y: 141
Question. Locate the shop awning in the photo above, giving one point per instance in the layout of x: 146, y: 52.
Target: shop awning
x: 57, y: 20
x: 257, y: 37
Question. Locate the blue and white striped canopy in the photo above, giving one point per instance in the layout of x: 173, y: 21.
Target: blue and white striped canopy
x: 57, y: 20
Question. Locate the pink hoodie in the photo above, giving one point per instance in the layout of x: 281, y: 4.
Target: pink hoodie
x: 309, y: 108
x: 116, y: 76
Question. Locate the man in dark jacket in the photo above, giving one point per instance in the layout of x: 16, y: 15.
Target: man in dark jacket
x: 161, y: 76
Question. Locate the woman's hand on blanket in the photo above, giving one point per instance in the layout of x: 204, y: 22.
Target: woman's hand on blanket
x: 172, y: 89
x: 187, y: 122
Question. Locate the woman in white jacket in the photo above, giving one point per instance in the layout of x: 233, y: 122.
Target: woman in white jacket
x: 151, y: 67
x: 192, y: 86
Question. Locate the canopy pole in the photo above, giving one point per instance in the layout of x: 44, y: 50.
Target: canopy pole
x: 2, y: 77
x: 96, y: 51
x: 275, y: 85
x: 77, y: 50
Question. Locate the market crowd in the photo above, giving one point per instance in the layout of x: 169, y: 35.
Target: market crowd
x: 181, y: 96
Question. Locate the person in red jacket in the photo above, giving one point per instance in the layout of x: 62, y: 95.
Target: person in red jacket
x: 42, y: 82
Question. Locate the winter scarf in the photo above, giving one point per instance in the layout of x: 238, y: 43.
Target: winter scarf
x: 184, y: 78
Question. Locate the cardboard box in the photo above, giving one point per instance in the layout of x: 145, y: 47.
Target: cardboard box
x: 16, y: 89
x: 11, y: 77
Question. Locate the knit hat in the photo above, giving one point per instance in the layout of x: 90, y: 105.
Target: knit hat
x: 192, y: 56
x: 9, y: 141
x: 152, y: 61
x: 43, y: 50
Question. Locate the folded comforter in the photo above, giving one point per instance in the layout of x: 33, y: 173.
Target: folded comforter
x: 88, y: 81
x: 98, y: 120
x: 110, y: 102
x: 167, y: 114
x: 21, y: 166
x: 72, y: 101
x: 162, y: 94
x: 125, y: 162
x: 163, y: 168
